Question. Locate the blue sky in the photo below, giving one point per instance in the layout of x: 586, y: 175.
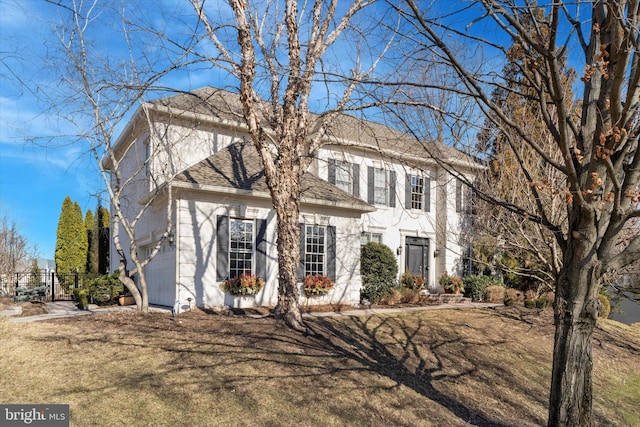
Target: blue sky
x: 34, y: 180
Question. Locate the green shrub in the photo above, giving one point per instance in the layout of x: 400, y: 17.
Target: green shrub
x: 379, y: 269
x: 81, y: 296
x: 509, y: 301
x: 104, y: 290
x: 476, y: 286
x: 542, y: 302
x: 452, y: 284
x: 529, y: 303
x: 411, y: 281
x: 606, y: 306
x: 515, y: 295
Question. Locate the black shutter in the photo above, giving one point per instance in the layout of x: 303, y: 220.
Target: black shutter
x: 356, y: 180
x: 370, y: 192
x: 407, y: 192
x: 332, y: 171
x: 222, y: 245
x: 331, y: 252
x: 458, y: 196
x: 261, y: 248
x: 392, y: 189
x: 427, y: 194
x: 302, y: 250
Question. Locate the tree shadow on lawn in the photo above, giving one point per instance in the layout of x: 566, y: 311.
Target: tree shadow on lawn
x: 212, y: 352
x: 410, y: 354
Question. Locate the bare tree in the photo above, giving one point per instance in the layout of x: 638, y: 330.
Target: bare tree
x: 282, y: 47
x: 599, y: 150
x: 15, y: 252
x: 96, y: 93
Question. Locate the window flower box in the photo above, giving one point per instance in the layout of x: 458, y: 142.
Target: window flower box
x: 245, y: 284
x: 317, y: 285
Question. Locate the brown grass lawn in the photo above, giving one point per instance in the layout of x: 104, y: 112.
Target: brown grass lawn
x: 438, y: 367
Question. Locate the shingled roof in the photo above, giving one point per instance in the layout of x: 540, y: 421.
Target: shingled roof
x: 344, y: 130
x: 239, y: 167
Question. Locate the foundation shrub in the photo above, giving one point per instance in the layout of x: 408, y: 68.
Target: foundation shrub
x: 475, y: 286
x: 379, y: 268
x: 409, y: 296
x: 529, y: 303
x: 542, y: 303
x: 516, y: 295
x: 391, y: 298
x: 104, y: 290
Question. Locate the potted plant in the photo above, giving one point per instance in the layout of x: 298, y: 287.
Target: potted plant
x: 317, y: 285
x: 452, y: 284
x: 411, y: 281
x: 245, y: 284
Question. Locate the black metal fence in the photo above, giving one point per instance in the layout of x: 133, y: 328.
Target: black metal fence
x: 43, y: 286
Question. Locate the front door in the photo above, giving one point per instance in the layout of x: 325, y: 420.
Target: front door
x: 417, y: 256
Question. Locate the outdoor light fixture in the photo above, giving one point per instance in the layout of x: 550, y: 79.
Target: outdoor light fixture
x: 171, y: 238
x: 436, y: 252
x: 399, y: 250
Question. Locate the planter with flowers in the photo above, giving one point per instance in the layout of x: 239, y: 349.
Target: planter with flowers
x: 243, y: 285
x: 451, y: 284
x: 411, y: 281
x: 317, y: 285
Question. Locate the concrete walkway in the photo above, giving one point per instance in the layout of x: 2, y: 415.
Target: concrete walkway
x: 60, y: 309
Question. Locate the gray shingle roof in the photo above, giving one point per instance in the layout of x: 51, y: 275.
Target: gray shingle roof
x: 345, y: 129
x: 239, y: 167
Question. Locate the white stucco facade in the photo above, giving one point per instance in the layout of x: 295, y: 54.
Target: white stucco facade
x: 183, y: 272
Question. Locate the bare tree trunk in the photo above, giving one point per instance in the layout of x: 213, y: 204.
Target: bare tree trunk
x: 288, y: 308
x: 576, y: 310
x: 123, y: 275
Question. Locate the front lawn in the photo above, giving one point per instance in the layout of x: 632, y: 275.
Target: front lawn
x: 439, y: 367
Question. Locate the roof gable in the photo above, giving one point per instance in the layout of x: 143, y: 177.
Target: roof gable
x: 239, y: 167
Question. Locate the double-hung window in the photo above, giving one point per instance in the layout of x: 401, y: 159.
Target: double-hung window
x: 240, y: 247
x: 381, y: 187
x: 418, y: 193
x: 315, y: 250
x: 345, y: 176
x: 417, y: 188
x: 367, y: 237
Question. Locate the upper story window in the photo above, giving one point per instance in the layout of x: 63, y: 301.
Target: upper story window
x: 345, y: 176
x: 417, y: 189
x: 463, y: 198
x: 381, y: 187
x: 418, y: 193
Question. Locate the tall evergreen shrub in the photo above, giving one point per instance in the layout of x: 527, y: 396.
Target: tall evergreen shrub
x: 379, y: 269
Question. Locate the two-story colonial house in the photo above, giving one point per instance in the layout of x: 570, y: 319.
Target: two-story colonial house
x: 368, y: 182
